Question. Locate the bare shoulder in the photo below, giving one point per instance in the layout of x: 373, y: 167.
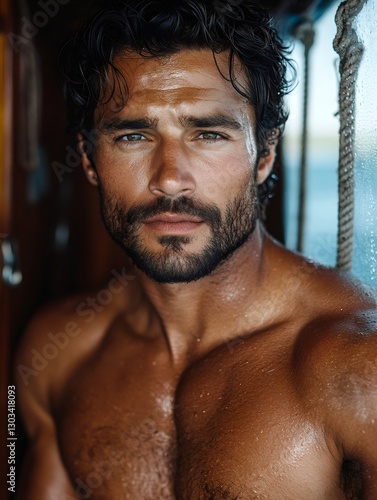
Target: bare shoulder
x: 57, y: 341
x: 332, y: 351
x: 61, y: 335
x: 339, y: 333
x: 319, y: 290
x: 335, y: 361
x: 335, y: 348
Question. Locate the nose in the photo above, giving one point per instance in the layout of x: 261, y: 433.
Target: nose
x: 172, y: 170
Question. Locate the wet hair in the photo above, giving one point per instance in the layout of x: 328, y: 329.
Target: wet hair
x: 158, y: 28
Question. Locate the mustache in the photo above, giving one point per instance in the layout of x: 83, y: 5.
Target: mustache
x: 182, y: 205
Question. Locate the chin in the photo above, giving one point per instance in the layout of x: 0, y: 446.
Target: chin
x: 175, y: 265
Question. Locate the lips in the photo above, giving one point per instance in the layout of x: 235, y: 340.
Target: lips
x: 172, y: 218
x: 173, y: 223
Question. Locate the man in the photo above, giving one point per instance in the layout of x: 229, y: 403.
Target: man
x: 229, y: 367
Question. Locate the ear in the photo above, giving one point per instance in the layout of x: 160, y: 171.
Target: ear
x: 87, y: 165
x: 266, y: 163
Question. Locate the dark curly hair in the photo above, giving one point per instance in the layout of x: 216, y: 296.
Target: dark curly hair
x: 158, y: 28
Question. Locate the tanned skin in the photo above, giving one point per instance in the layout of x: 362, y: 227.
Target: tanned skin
x: 257, y: 381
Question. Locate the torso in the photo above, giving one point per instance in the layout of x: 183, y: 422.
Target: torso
x: 232, y: 426
x: 232, y: 423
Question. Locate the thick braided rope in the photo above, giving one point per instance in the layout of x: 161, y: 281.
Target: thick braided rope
x: 350, y: 50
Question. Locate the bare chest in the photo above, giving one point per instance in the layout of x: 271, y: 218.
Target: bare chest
x: 230, y: 429
x: 248, y: 436
x: 131, y: 456
x: 116, y: 430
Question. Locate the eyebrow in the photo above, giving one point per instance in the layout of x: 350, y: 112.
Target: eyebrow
x: 123, y: 124
x: 216, y: 120
x: 188, y: 121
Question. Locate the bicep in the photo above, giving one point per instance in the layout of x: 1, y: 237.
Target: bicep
x: 354, y: 417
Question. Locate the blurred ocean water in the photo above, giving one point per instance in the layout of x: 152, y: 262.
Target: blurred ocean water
x: 321, y: 226
x: 323, y: 124
x: 320, y: 232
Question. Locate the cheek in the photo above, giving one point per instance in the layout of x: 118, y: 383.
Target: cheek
x: 116, y: 175
x: 231, y: 178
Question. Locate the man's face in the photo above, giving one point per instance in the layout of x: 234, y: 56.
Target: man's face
x: 177, y: 165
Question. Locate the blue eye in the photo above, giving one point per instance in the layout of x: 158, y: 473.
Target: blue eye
x: 210, y: 136
x: 131, y: 138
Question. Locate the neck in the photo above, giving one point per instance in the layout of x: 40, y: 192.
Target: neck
x: 197, y: 316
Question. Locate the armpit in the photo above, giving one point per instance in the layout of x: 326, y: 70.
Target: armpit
x: 351, y: 480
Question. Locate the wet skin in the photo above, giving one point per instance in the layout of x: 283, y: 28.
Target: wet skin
x: 256, y: 381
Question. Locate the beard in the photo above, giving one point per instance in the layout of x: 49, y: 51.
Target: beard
x: 173, y: 264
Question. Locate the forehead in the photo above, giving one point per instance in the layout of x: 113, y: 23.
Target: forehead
x: 186, y: 78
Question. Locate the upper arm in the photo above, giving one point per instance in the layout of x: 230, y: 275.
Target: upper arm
x: 43, y: 474
x: 338, y: 369
x: 354, y: 410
